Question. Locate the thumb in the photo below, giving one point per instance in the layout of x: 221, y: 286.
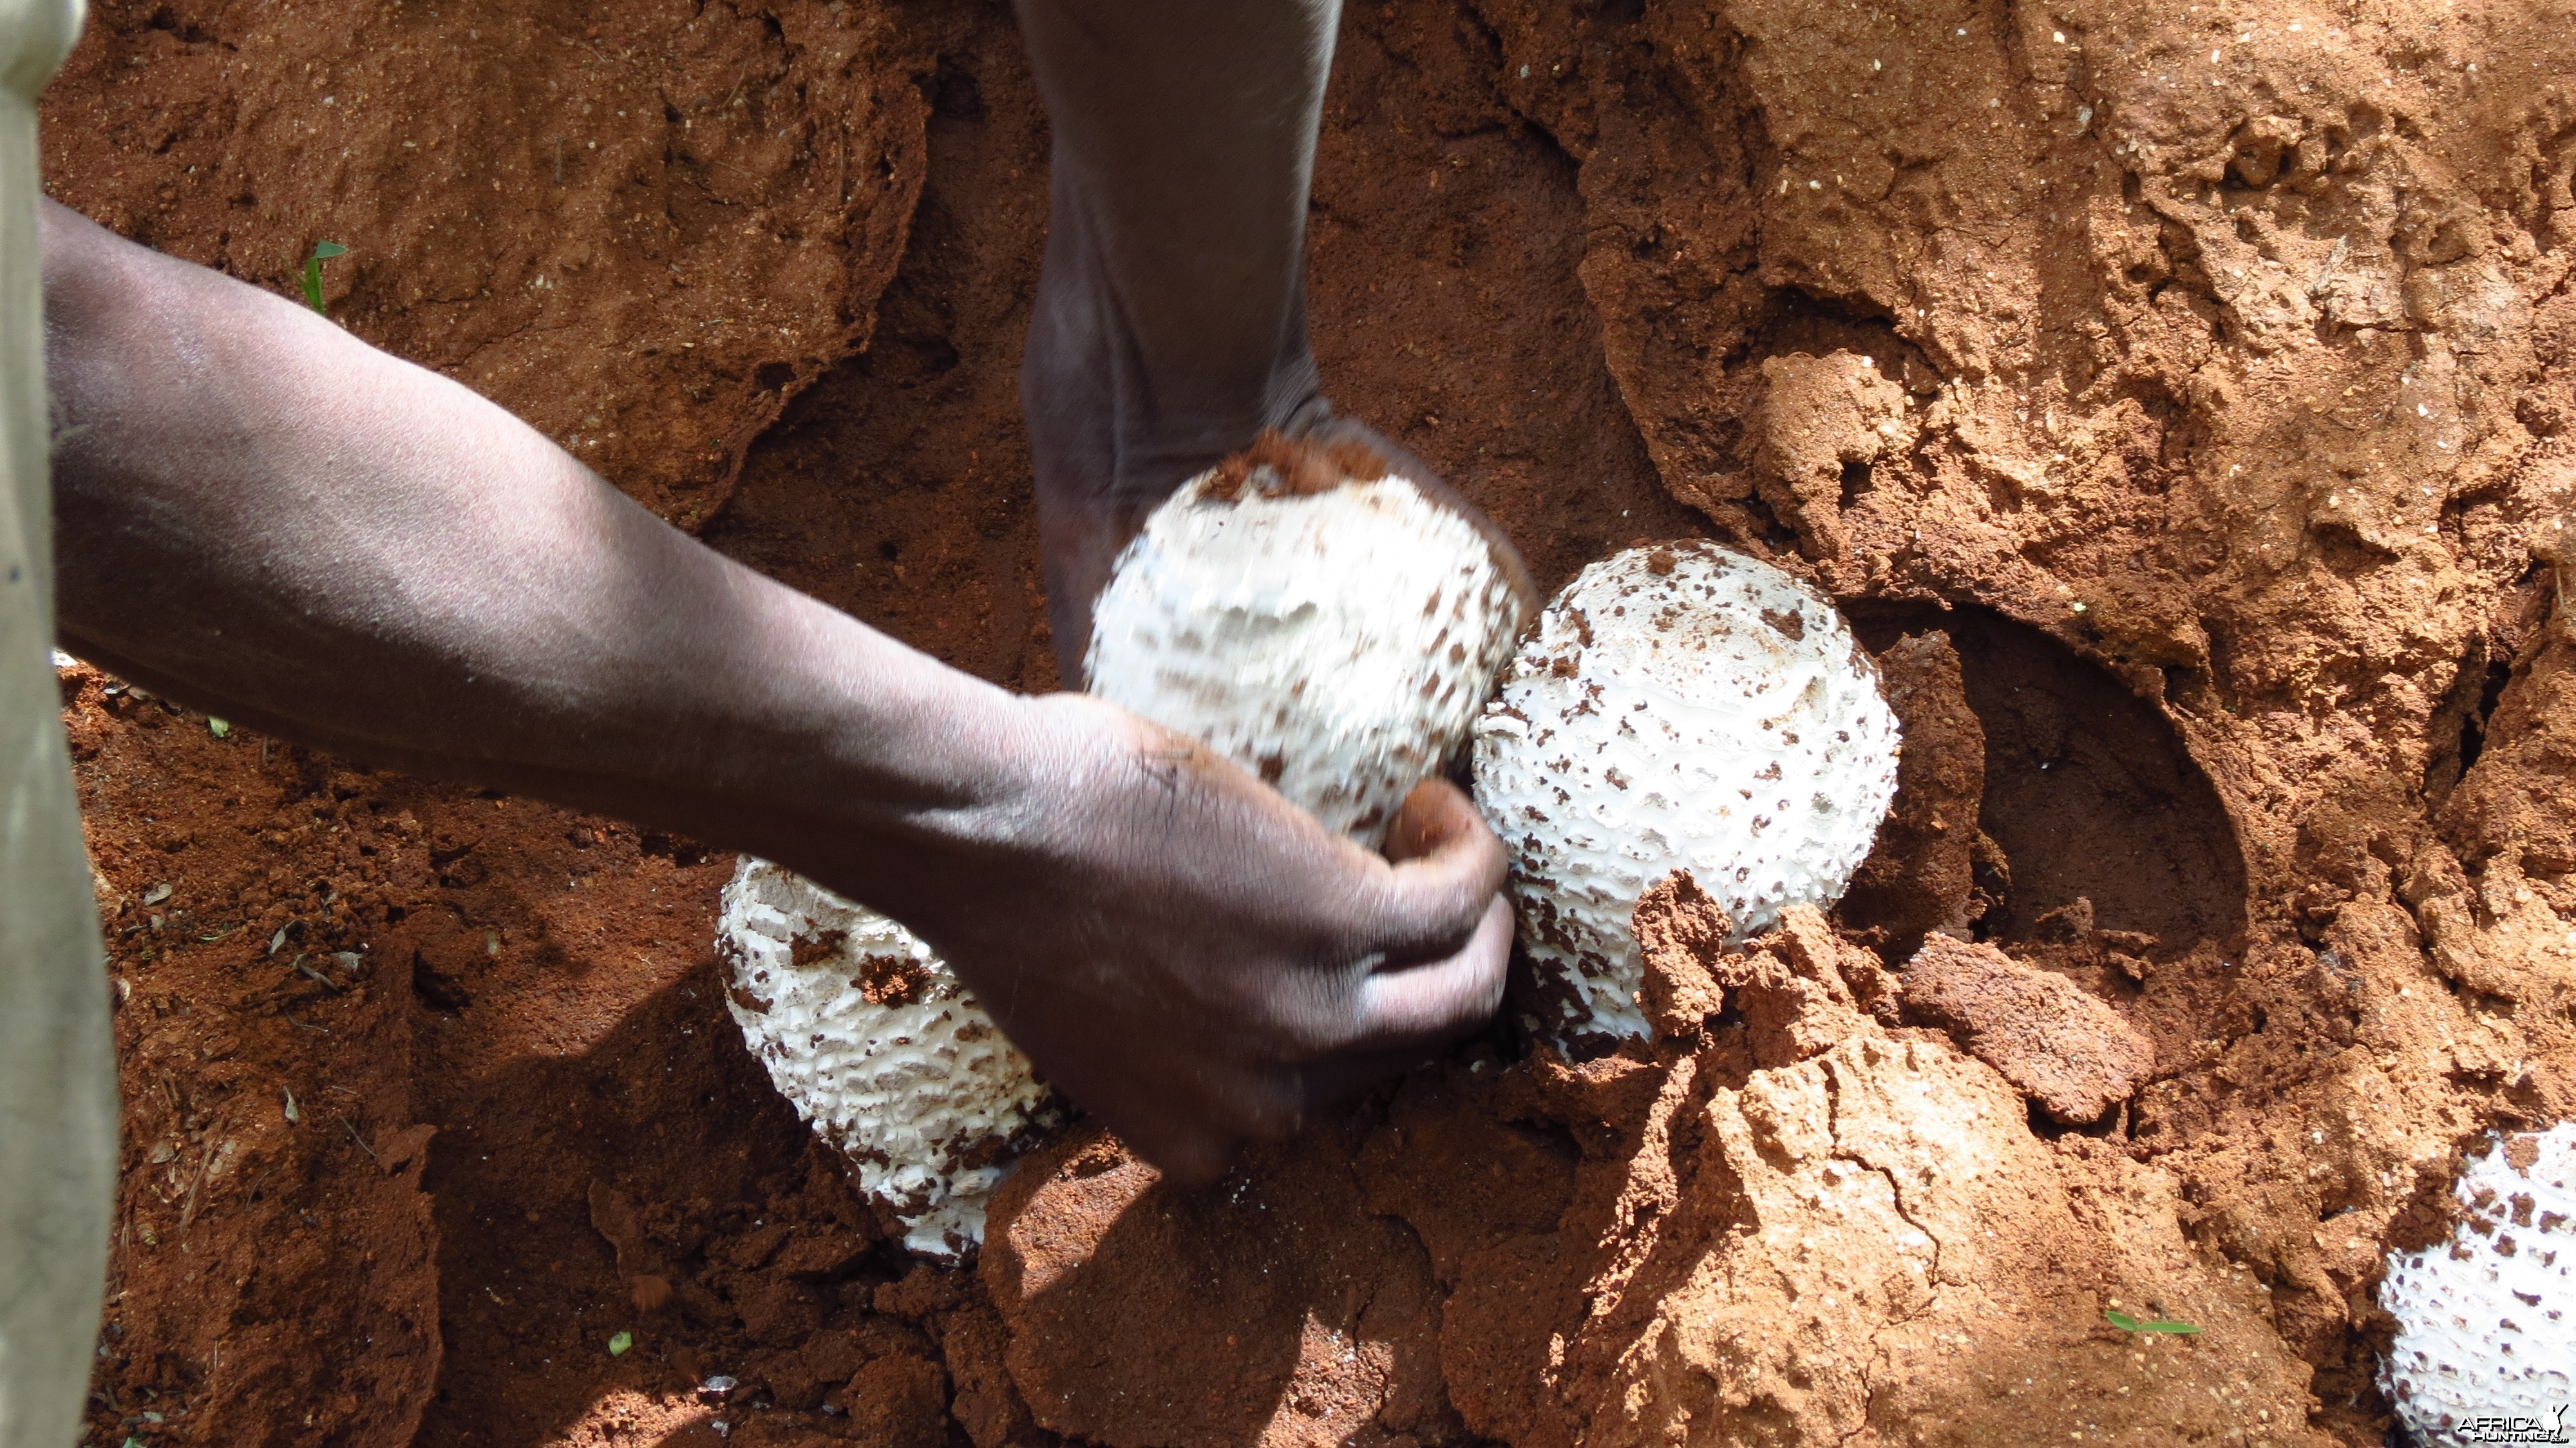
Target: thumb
x: 1445, y: 870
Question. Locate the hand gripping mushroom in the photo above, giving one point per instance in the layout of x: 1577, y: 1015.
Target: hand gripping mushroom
x: 2486, y: 1321
x: 1679, y: 706
x: 1309, y: 614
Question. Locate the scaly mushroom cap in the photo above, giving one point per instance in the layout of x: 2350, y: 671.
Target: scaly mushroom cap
x: 1680, y: 706
x: 2486, y: 1322
x: 1334, y: 635
x: 871, y: 1038
x: 1338, y: 643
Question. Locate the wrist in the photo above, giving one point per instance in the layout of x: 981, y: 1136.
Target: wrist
x: 890, y: 777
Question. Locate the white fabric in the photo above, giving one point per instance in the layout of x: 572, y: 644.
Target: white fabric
x: 57, y: 1066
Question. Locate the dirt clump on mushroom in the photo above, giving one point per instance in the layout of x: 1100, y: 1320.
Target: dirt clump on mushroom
x: 1278, y: 466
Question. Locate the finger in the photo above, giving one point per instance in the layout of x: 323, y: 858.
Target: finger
x: 1446, y: 868
x: 1428, y: 819
x: 1428, y: 1005
x: 1262, y: 1103
x: 1230, y: 1101
x: 1182, y: 1112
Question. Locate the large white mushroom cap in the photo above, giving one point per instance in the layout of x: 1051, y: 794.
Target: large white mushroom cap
x: 2486, y: 1322
x: 1335, y: 640
x: 877, y: 1043
x: 1680, y: 706
x: 1337, y: 643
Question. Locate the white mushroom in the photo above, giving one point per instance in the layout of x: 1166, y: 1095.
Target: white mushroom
x: 1337, y: 643
x: 1335, y: 639
x: 2486, y: 1322
x: 873, y: 1040
x: 1680, y: 706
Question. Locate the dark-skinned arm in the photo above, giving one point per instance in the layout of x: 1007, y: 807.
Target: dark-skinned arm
x: 264, y: 517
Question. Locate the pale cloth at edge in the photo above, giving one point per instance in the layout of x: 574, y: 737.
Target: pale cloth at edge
x: 57, y: 1068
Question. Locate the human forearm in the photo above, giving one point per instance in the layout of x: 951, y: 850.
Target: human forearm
x: 264, y: 516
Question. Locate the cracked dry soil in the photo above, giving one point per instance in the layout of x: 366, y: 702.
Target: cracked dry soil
x: 2176, y: 397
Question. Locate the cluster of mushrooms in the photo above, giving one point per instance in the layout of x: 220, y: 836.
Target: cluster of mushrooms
x: 1678, y: 706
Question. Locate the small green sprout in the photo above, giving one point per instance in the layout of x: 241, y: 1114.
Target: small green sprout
x: 2126, y: 1323
x: 220, y: 728
x: 322, y: 251
x: 618, y: 1345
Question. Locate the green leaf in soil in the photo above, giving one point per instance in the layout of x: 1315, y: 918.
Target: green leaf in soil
x: 618, y: 1345
x: 2126, y: 1323
x: 322, y: 251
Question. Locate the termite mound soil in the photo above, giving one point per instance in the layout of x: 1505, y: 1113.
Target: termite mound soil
x: 2176, y: 400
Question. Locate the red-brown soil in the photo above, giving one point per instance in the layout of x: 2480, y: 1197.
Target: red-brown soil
x: 2200, y: 377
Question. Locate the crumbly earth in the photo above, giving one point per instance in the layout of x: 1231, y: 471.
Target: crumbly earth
x: 2071, y: 1054
x: 2202, y: 374
x: 1921, y: 872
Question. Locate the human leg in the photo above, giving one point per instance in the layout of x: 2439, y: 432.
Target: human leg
x: 1171, y: 314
